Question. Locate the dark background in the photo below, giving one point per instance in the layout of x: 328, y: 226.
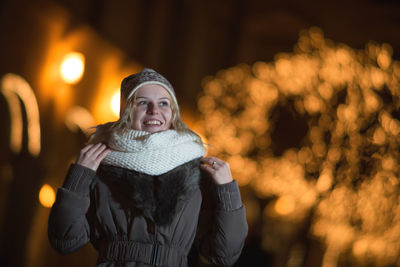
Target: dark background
x: 185, y: 41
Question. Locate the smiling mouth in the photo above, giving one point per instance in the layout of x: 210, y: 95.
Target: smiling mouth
x: 152, y: 122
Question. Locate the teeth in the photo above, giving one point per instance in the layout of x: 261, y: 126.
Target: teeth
x: 153, y: 122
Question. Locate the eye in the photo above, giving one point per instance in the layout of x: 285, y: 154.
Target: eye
x: 164, y: 103
x: 141, y: 103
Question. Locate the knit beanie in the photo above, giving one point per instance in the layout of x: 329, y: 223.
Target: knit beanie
x: 133, y: 82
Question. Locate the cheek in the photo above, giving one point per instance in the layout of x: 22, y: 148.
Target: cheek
x: 136, y: 116
x: 168, y: 117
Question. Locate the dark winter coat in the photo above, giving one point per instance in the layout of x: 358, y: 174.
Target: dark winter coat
x: 134, y: 219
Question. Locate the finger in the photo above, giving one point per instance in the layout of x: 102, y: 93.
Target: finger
x: 211, y: 167
x: 207, y: 162
x: 96, y: 150
x: 103, y: 154
x: 210, y: 160
x: 86, y: 148
x: 208, y: 169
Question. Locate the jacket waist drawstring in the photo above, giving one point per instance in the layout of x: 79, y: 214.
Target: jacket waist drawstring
x: 151, y: 254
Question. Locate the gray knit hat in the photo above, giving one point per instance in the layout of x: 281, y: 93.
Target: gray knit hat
x: 133, y: 82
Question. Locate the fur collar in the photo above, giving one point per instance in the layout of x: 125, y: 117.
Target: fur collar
x: 158, y: 198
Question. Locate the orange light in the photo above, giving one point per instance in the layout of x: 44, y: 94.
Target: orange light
x: 72, y: 67
x: 14, y: 87
x: 115, y: 102
x: 47, y: 196
x: 348, y: 99
x: 285, y: 205
x: 79, y: 118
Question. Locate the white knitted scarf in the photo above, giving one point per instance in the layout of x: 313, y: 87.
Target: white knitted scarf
x: 153, y: 154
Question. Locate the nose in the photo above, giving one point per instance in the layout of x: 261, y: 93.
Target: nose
x: 152, y: 109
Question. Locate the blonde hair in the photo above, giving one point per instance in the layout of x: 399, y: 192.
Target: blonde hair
x: 124, y: 123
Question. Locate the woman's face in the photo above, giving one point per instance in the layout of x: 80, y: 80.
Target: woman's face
x: 152, y: 111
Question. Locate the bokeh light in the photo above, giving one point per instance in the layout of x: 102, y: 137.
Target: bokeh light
x: 114, y: 103
x: 16, y: 89
x: 79, y: 119
x: 316, y: 130
x: 72, y: 67
x: 47, y: 196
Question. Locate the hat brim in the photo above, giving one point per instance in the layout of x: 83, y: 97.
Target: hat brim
x: 153, y: 82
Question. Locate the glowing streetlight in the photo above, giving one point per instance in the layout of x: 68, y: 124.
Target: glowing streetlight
x: 47, y: 196
x: 72, y: 67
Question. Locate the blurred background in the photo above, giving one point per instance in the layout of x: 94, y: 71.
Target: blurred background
x: 300, y: 97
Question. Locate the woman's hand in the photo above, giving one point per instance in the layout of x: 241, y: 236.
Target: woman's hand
x: 91, y: 155
x: 218, y: 169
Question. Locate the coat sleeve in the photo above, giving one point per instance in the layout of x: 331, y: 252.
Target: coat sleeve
x: 222, y: 227
x: 68, y: 229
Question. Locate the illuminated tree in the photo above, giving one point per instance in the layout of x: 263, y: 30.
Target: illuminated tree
x: 317, y: 130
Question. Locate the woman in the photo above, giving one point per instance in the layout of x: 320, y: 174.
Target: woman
x: 142, y: 191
